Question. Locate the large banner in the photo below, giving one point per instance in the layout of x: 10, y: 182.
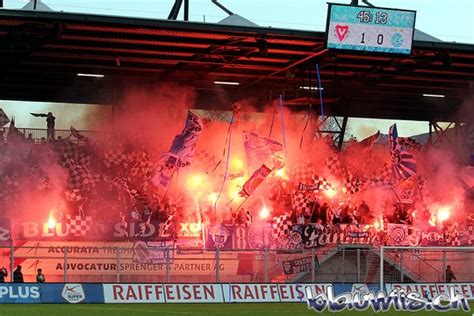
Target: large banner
x: 193, y: 236
x: 72, y: 293
x: 104, y: 260
x: 163, y: 293
x: 19, y: 293
x: 431, y: 290
x: 98, y: 230
x: 77, y: 293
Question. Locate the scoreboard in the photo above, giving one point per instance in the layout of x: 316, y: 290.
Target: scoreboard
x: 370, y: 29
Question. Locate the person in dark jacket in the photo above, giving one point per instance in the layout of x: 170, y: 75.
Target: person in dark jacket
x: 50, y: 124
x: 18, y: 275
x: 3, y: 274
x: 450, y: 274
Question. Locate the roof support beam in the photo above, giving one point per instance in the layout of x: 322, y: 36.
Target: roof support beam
x: 175, y: 10
x: 222, y: 7
x: 296, y: 63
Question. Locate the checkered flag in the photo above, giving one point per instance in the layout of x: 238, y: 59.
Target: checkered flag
x: 470, y: 230
x: 82, y: 178
x: 353, y: 184
x: 116, y: 158
x: 302, y: 173
x: 301, y: 202
x: 169, y: 223
x: 321, y: 183
x: 78, y: 225
x: 282, y: 225
x: 453, y: 235
x: 333, y: 164
x: 410, y: 144
x: 384, y: 179
x: 73, y: 195
x: 71, y: 153
x: 142, y: 166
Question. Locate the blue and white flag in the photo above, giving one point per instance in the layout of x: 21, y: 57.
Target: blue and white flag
x: 181, y: 151
x: 403, y: 162
x: 261, y: 150
x: 393, y: 137
x: 184, y: 144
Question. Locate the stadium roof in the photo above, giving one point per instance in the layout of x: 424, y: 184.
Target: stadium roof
x: 42, y: 52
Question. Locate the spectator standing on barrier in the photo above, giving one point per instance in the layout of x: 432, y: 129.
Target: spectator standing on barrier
x: 3, y: 274
x: 40, y: 276
x: 18, y: 275
x: 50, y: 123
x: 450, y: 274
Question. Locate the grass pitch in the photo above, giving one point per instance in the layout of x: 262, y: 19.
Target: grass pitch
x: 287, y: 309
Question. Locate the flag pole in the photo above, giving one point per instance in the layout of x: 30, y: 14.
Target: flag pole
x: 241, y: 204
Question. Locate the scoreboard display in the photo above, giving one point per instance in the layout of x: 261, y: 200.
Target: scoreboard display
x: 370, y: 29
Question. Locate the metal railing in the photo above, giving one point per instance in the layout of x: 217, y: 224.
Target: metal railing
x: 99, y: 263
x: 426, y: 264
x: 94, y: 262
x: 128, y: 263
x: 40, y: 135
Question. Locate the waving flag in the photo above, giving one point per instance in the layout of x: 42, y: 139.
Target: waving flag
x: 352, y: 184
x: 4, y: 120
x: 261, y: 150
x: 255, y: 180
x: 403, y: 163
x: 165, y: 170
x: 75, y: 133
x: 78, y: 225
x: 183, y: 144
x: 334, y: 165
x: 393, y: 137
x: 282, y: 225
x: 167, y: 227
x: 410, y: 144
x: 317, y: 184
x: 397, y: 234
x: 181, y: 151
x: 369, y: 141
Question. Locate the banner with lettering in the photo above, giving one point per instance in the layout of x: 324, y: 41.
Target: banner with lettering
x: 297, y: 265
x: 99, y: 230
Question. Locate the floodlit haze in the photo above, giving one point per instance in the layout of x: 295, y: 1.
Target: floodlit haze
x: 447, y: 20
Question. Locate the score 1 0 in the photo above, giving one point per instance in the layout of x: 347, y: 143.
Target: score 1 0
x: 384, y: 37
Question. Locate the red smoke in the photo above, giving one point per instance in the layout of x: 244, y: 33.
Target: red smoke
x: 148, y: 119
